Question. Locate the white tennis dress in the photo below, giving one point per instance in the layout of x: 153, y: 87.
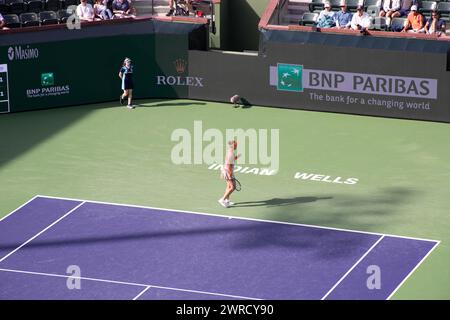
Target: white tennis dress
x: 229, y: 159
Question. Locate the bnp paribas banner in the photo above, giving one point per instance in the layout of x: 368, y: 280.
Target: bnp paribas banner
x: 332, y: 86
x: 346, y: 80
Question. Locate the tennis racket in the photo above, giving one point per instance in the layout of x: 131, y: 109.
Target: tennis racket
x: 236, y: 183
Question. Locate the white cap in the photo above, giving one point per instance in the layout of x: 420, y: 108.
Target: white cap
x: 413, y: 7
x: 327, y: 4
x: 342, y: 3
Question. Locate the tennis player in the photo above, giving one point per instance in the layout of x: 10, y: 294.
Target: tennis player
x: 126, y: 74
x: 227, y: 173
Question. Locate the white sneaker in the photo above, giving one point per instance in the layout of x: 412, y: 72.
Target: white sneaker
x: 130, y: 107
x: 229, y: 202
x: 223, y: 203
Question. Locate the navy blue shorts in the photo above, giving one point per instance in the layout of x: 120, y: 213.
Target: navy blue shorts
x: 404, y: 12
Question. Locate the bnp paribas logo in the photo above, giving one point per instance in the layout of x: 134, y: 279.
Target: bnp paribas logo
x: 290, y: 77
x: 47, y: 79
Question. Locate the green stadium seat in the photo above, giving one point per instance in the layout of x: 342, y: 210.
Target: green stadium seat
x: 48, y: 18
x: 35, y: 6
x: 52, y: 5
x: 352, y: 4
x: 444, y: 9
x: 29, y: 19
x: 309, y: 19
x: 63, y: 14
x: 4, y: 9
x: 316, y: 6
x: 379, y: 24
x: 16, y: 6
x: 397, y: 23
x: 426, y: 7
x: 12, y: 21
x: 368, y: 3
x: 335, y: 5
x: 373, y: 11
x: 68, y: 3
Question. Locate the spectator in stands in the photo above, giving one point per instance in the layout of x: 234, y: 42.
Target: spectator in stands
x: 390, y: 7
x: 343, y: 18
x: 2, y: 22
x: 405, y: 8
x: 325, y: 19
x: 171, y: 8
x: 361, y: 20
x: 434, y: 24
x: 85, y: 11
x: 326, y: 11
x: 185, y: 5
x: 123, y: 9
x: 101, y: 11
x: 415, y: 22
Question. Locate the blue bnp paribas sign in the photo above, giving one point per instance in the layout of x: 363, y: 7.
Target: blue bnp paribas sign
x: 290, y: 77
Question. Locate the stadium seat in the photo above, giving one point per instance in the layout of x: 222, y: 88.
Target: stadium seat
x: 368, y: 3
x: 68, y: 3
x: 35, y: 6
x: 52, y: 5
x: 444, y: 9
x: 426, y: 7
x: 12, y: 21
x: 316, y: 6
x: 379, y: 24
x: 16, y: 6
x: 352, y: 4
x: 397, y: 24
x: 373, y: 11
x: 48, y: 17
x: 29, y: 19
x: 63, y: 14
x: 309, y: 19
x: 335, y: 5
x: 3, y: 7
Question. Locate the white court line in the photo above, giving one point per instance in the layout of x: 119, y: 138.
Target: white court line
x: 147, y: 286
x: 350, y: 270
x: 41, y: 232
x: 15, y: 210
x: 241, y: 218
x: 412, y: 271
x: 141, y: 293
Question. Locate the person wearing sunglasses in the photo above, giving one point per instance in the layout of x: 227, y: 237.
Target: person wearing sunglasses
x: 434, y: 24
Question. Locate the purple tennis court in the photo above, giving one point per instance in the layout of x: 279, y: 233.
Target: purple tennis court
x: 130, y: 252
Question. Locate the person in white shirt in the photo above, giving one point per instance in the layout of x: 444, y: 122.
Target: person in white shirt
x: 390, y: 7
x: 227, y: 173
x: 85, y: 11
x: 361, y: 20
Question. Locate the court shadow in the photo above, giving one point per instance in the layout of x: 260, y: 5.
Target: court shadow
x: 171, y: 104
x: 277, y: 202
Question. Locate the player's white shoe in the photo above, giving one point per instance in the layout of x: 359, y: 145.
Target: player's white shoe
x: 223, y: 203
x: 229, y: 202
x: 130, y: 106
